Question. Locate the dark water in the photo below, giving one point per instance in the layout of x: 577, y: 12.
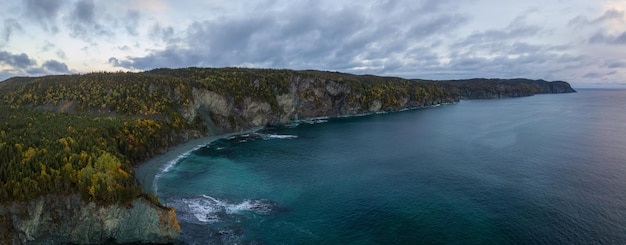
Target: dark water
x: 547, y: 169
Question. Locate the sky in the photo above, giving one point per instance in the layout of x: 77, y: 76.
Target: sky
x: 579, y: 41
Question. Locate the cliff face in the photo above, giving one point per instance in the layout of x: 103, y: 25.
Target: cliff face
x: 310, y: 97
x: 61, y: 220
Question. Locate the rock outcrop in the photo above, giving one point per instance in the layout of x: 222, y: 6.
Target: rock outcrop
x: 312, y: 97
x: 66, y: 219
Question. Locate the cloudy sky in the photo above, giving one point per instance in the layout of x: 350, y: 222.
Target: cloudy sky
x: 581, y: 41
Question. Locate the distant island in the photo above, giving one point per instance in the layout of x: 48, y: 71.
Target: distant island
x: 69, y: 143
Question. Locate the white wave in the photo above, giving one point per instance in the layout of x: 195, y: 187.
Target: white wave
x: 208, y: 209
x: 203, y: 211
x: 315, y: 120
x: 279, y: 136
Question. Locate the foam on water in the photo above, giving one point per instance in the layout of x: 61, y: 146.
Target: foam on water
x: 315, y: 120
x: 278, y: 136
x: 207, y: 209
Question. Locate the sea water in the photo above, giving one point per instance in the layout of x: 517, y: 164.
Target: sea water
x: 546, y: 169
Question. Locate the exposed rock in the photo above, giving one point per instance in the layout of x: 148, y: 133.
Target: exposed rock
x: 67, y: 219
x: 206, y: 100
x: 256, y: 112
x: 375, y: 106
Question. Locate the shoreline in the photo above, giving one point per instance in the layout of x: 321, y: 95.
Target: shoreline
x: 147, y: 172
x: 150, y: 170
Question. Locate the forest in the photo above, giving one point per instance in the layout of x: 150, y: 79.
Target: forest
x: 83, y: 133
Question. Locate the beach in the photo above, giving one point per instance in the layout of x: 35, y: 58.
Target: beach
x: 148, y: 171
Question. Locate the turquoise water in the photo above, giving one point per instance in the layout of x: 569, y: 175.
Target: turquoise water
x: 546, y: 169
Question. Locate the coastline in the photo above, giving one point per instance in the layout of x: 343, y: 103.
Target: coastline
x: 150, y: 170
x: 147, y: 172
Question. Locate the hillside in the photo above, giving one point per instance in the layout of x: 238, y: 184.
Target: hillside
x: 77, y: 137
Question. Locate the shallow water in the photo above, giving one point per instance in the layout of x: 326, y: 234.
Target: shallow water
x: 547, y: 169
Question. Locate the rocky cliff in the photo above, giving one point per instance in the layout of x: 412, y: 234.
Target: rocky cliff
x: 67, y: 219
x: 310, y: 96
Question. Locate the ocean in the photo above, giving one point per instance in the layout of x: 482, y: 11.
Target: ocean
x: 545, y: 169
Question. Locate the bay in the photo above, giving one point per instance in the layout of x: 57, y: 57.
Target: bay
x: 546, y: 169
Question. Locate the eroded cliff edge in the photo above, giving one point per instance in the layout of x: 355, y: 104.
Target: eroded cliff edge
x: 308, y: 96
x: 147, y: 113
x: 55, y: 219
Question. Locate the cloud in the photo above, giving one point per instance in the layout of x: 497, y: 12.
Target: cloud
x: 515, y: 30
x: 599, y: 75
x: 116, y: 63
x: 82, y: 21
x: 132, y: 21
x: 19, y: 61
x: 61, y: 54
x: 47, y: 46
x: 10, y: 25
x: 609, y: 15
x: 23, y: 65
x: 44, y: 12
x: 352, y: 37
x: 605, y: 29
x: 54, y: 66
x: 603, y: 38
x: 412, y: 38
x: 162, y: 33
x: 615, y: 64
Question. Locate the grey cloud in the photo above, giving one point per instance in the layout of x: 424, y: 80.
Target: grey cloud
x: 621, y: 39
x: 84, y: 11
x: 615, y: 64
x: 514, y: 30
x: 304, y: 37
x: 599, y: 75
x: 600, y: 37
x: 23, y: 65
x: 44, y: 12
x: 593, y: 75
x: 403, y: 42
x: 116, y: 63
x: 55, y: 66
x: 132, y: 21
x: 61, y: 54
x: 164, y: 34
x: 47, y: 46
x: 16, y: 60
x: 436, y: 25
x: 83, y: 23
x: 538, y: 65
x: 10, y: 26
x: 611, y: 14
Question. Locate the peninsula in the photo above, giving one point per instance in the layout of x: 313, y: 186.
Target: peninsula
x: 69, y: 143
